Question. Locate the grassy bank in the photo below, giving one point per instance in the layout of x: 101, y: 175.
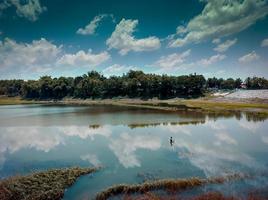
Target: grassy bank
x: 170, y: 185
x: 41, y: 185
x: 4, y: 100
x: 203, y: 104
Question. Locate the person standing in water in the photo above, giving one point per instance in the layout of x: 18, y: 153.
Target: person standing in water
x: 171, y: 141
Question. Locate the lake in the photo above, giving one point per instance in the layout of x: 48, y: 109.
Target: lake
x: 133, y: 145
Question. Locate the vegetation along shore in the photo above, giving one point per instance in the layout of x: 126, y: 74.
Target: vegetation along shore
x: 135, y: 89
x: 47, y: 185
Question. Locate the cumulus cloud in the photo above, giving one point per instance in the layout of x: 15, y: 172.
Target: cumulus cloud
x: 117, y: 69
x: 13, y: 139
x: 126, y: 145
x: 224, y: 137
x: 220, y: 18
x: 29, y: 9
x: 28, y: 56
x: 41, y: 56
x: 172, y: 60
x: 216, y: 41
x: 123, y: 40
x: 252, y: 127
x: 215, y: 125
x: 177, y: 61
x: 92, y: 159
x: 264, y: 139
x: 84, y: 132
x: 82, y: 58
x: 211, y: 60
x: 264, y: 43
x: 225, y: 45
x: 252, y: 56
x: 90, y: 29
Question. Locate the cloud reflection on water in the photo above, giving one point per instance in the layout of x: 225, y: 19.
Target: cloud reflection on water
x: 126, y: 145
x: 210, y: 146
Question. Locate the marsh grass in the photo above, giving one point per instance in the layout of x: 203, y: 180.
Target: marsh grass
x: 48, y: 185
x: 205, y: 196
x: 143, y: 125
x: 4, y: 100
x: 169, y: 185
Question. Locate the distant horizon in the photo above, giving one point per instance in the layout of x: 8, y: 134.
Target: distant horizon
x: 223, y: 39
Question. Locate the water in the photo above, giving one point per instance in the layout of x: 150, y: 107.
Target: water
x: 133, y: 145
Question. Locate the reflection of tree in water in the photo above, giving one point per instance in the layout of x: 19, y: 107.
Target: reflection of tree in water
x: 200, y: 117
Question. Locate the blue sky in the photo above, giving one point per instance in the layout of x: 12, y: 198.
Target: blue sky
x: 222, y: 38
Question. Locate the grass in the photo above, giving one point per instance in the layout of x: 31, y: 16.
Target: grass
x: 49, y: 185
x: 208, y: 105
x: 142, y: 125
x: 171, y: 185
x: 4, y: 100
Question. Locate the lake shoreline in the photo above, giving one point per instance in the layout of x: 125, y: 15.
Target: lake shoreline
x: 50, y: 184
x: 208, y: 104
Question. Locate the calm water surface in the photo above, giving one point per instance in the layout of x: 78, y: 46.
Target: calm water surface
x: 133, y: 145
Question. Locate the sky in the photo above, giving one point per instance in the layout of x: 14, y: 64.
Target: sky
x: 221, y: 38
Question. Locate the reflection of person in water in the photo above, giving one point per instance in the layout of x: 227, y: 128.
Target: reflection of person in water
x: 171, y: 141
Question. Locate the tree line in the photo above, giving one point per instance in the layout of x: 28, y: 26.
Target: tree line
x: 132, y: 84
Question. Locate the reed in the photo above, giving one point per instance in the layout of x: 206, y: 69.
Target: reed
x: 41, y: 185
x: 171, y: 185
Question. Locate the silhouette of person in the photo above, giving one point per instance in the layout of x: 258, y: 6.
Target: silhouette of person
x: 171, y: 141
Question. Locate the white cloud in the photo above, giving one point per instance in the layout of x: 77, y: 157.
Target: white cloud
x: 264, y: 139
x: 215, y: 125
x: 211, y: 60
x: 264, y: 43
x: 172, y: 60
x: 216, y: 41
x: 29, y: 9
x: 117, y: 69
x: 85, y: 132
x: 41, y: 56
x: 252, y: 56
x: 213, y: 159
x: 28, y: 56
x: 123, y: 40
x: 225, y: 45
x: 176, y: 129
x: 90, y: 29
x: 82, y: 58
x: 221, y: 18
x: 13, y: 139
x: 224, y: 137
x: 252, y: 127
x: 91, y: 158
x: 177, y: 61
x: 126, y: 145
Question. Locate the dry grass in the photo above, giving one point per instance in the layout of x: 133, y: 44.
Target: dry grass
x: 205, y: 104
x: 170, y: 185
x: 41, y: 185
x: 143, y: 125
x: 4, y: 100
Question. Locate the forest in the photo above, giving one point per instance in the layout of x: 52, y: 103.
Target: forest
x: 132, y: 84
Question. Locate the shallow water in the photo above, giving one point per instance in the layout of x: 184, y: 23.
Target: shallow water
x: 133, y: 145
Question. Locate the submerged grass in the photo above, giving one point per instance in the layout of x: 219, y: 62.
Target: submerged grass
x: 41, y: 185
x: 171, y: 185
